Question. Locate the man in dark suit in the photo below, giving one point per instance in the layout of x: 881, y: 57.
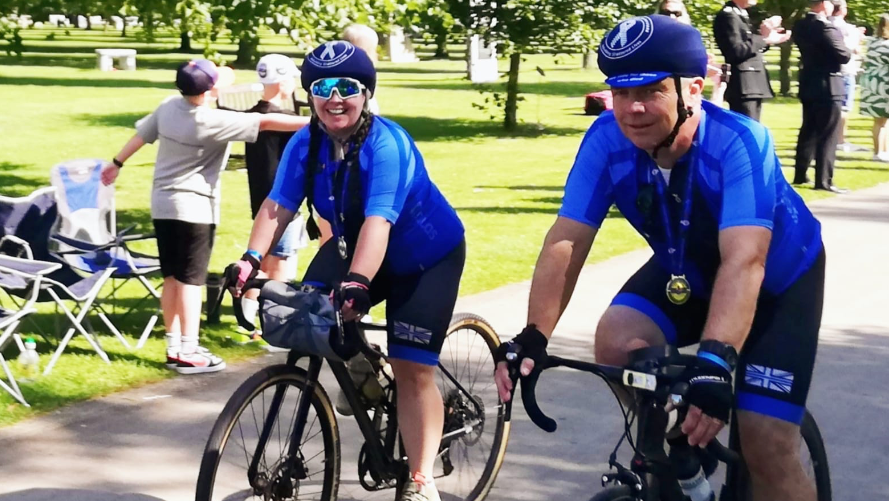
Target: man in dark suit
x: 748, y: 83
x: 822, y: 52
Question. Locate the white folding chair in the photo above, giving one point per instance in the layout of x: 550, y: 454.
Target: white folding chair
x: 86, y: 236
x: 16, y: 271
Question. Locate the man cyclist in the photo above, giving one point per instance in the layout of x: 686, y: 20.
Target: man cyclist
x: 738, y: 259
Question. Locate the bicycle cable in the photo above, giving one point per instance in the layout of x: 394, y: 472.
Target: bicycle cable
x: 628, y: 423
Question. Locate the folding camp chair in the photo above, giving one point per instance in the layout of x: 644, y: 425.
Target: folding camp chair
x: 19, y: 272
x: 86, y: 235
x: 26, y: 224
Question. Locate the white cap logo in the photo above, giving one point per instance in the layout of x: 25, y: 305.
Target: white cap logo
x: 332, y: 54
x: 627, y: 38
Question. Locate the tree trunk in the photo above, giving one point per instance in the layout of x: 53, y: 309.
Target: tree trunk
x: 786, y: 50
x: 184, y: 42
x: 246, y: 50
x: 441, y: 45
x: 589, y: 59
x: 512, y: 92
x: 89, y: 23
x: 123, y: 32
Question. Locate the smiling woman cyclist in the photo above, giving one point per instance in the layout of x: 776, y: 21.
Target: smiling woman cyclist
x: 395, y: 237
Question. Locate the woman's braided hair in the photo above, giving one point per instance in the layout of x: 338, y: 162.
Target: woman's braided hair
x: 352, y: 161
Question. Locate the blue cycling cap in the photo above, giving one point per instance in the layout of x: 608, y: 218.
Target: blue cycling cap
x: 644, y: 50
x: 338, y: 59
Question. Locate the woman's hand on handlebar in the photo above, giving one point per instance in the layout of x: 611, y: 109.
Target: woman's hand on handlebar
x: 245, y: 269
x: 518, y: 357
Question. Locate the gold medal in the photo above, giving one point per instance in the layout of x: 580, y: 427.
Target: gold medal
x: 678, y: 289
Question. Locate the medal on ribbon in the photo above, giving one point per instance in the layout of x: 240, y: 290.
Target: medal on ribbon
x: 678, y: 288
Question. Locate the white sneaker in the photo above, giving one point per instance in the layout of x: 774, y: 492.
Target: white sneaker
x: 199, y: 362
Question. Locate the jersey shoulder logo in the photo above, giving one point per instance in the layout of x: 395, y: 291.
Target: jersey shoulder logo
x: 332, y: 54
x: 627, y: 38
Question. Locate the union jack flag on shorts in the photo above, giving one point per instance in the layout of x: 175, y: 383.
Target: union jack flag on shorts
x: 769, y: 378
x: 412, y: 333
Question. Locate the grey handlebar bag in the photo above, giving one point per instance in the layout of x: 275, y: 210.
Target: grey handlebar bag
x: 298, y: 317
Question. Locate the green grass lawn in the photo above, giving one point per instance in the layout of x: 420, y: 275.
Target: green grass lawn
x: 506, y: 188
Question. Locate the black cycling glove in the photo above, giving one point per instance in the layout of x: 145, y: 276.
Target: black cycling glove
x: 356, y: 288
x: 710, y: 382
x: 530, y: 343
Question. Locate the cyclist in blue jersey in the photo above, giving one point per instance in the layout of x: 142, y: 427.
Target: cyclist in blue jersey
x: 395, y: 237
x: 738, y: 259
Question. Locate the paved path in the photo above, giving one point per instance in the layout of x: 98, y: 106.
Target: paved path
x: 145, y: 444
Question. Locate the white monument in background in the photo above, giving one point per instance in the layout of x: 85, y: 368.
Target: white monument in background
x: 400, y: 48
x: 482, y: 61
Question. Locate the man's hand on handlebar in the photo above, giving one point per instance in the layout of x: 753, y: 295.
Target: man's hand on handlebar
x: 709, y: 395
x: 518, y: 357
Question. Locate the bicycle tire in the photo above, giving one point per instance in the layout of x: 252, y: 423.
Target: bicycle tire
x: 815, y: 443
x: 241, y: 400
x: 811, y: 436
x: 615, y: 493
x: 500, y: 436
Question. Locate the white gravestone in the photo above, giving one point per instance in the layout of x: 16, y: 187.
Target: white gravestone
x: 118, y: 22
x: 58, y: 20
x: 482, y: 61
x: 81, y: 22
x: 401, y: 50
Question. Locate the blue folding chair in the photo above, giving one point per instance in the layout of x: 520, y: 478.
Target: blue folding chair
x: 26, y: 224
x: 16, y: 273
x: 86, y: 235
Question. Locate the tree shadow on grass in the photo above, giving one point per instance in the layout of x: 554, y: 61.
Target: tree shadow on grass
x: 86, y: 82
x: 525, y: 187
x: 127, y: 120
x: 544, y: 88
x: 14, y: 182
x: 454, y: 129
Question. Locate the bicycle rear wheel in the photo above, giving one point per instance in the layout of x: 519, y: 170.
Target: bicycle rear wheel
x: 475, y: 437
x: 814, y: 458
x: 234, y: 442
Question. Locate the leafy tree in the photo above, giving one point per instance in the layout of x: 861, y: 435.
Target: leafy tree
x: 10, y: 33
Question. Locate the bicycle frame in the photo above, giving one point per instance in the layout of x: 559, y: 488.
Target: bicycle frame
x: 650, y: 470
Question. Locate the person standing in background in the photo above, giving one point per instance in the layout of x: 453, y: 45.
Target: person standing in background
x: 366, y: 39
x: 677, y: 10
x: 748, y: 82
x: 822, y: 52
x: 875, y: 87
x: 852, y: 36
x: 277, y: 73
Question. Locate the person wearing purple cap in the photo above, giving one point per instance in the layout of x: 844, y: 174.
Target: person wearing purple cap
x: 194, y: 147
x: 738, y: 260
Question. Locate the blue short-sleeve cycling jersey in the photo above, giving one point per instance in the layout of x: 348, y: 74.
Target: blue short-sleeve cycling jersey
x: 395, y: 185
x: 737, y: 182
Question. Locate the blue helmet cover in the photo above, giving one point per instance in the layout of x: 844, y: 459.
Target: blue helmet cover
x: 338, y: 59
x: 643, y: 50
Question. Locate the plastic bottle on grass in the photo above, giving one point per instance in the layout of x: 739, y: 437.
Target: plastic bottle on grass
x: 29, y: 361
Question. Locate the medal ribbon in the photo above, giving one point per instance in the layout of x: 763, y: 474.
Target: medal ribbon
x: 675, y: 246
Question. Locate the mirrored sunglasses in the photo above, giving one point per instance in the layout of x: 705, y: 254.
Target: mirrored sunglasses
x: 345, y: 87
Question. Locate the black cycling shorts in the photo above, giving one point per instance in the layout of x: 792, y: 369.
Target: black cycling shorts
x: 775, y: 366
x: 183, y: 249
x: 419, y: 306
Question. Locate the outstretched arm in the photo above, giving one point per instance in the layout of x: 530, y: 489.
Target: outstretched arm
x: 110, y: 171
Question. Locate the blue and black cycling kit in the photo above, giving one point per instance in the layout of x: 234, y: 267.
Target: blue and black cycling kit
x: 395, y: 185
x: 736, y: 181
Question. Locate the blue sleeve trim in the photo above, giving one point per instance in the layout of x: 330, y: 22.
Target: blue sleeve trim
x: 706, y: 355
x: 255, y: 254
x: 765, y: 223
x: 773, y: 407
x: 579, y: 219
x: 649, y: 309
x: 413, y: 354
x: 281, y: 200
x: 388, y: 214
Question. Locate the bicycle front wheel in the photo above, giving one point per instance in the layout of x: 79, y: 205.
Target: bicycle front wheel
x: 250, y: 434
x: 476, y: 429
x: 814, y: 459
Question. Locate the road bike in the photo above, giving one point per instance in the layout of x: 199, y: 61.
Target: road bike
x: 278, y: 436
